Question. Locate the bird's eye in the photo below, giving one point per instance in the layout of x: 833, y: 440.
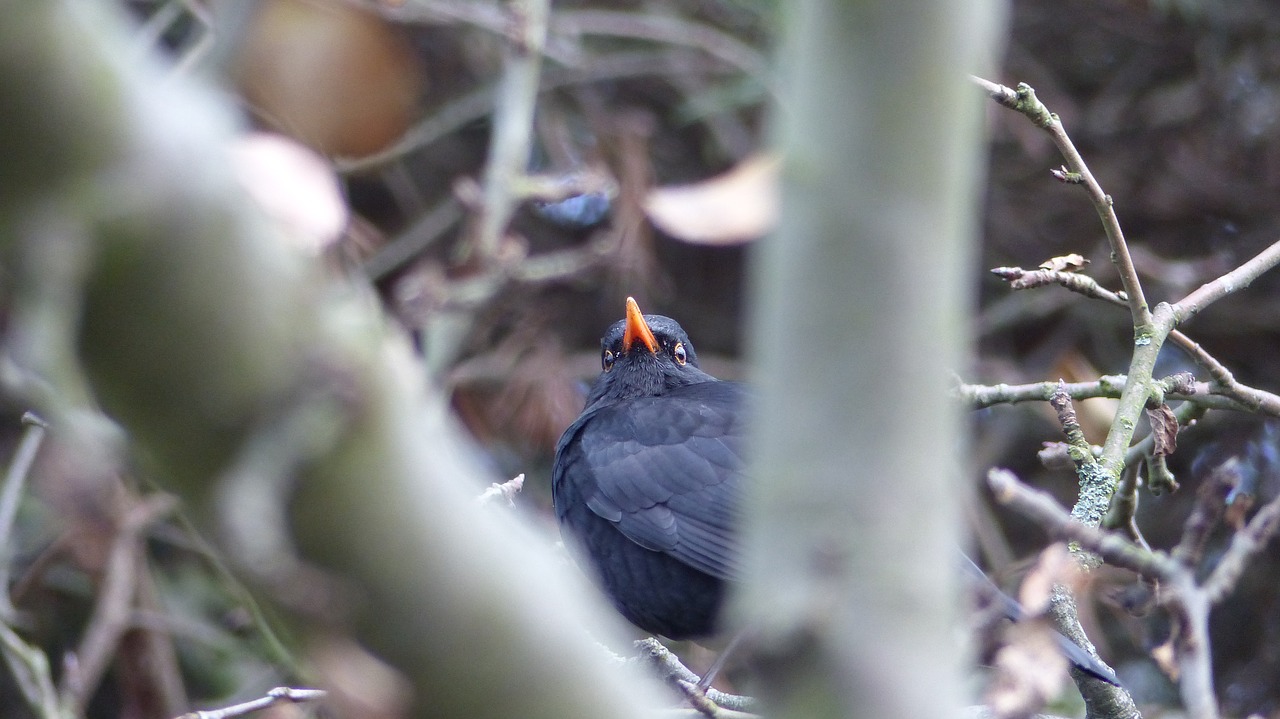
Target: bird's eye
x: 679, y: 354
x: 606, y: 360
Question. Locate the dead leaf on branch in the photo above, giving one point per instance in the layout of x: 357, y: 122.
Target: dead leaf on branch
x: 1164, y: 429
x: 1166, y: 657
x: 1054, y: 566
x: 729, y: 209
x: 1065, y: 263
x: 1030, y: 671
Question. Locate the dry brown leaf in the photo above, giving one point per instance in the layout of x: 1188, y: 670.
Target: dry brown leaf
x: 1166, y: 658
x: 1054, y: 566
x: 1030, y: 671
x: 731, y: 208
x: 1065, y: 263
x: 1237, y: 511
x: 1164, y: 429
x: 295, y: 186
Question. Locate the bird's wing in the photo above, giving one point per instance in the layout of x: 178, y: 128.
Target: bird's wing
x: 667, y: 472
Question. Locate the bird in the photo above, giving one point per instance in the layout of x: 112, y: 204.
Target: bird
x: 648, y: 484
x: 648, y: 480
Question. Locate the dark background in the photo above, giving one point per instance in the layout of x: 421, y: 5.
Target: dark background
x: 1174, y: 105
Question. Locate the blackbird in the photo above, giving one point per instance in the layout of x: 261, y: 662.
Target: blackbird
x: 648, y: 484
x: 648, y: 480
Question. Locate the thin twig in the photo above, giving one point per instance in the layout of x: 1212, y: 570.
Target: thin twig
x: 414, y: 240
x: 1078, y: 445
x: 512, y: 124
x: 1211, y: 502
x: 110, y: 618
x: 670, y: 669
x: 14, y: 481
x: 506, y: 490
x: 279, y: 695
x: 1249, y: 398
x: 1244, y: 545
x: 478, y: 103
x: 666, y: 29
x: 1237, y: 279
x: 30, y: 669
x: 1060, y: 524
x: 1188, y: 604
x: 981, y: 396
x: 1020, y: 279
x: 1024, y: 100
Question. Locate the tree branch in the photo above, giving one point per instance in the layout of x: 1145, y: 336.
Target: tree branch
x: 1024, y: 100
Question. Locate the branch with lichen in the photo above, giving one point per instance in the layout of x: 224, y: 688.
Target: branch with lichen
x: 1151, y: 328
x: 1174, y: 387
x: 1225, y: 385
x: 1188, y: 602
x: 1100, y: 473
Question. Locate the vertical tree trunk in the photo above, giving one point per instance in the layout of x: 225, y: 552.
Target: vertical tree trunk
x: 861, y: 313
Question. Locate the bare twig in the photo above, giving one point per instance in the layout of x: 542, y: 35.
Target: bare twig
x: 415, y: 239
x: 1024, y: 100
x: 111, y: 612
x: 14, y: 481
x: 1244, y: 545
x: 1249, y: 398
x: 1079, y: 449
x: 981, y: 396
x: 478, y: 103
x: 1252, y: 399
x: 666, y: 29
x: 1237, y: 279
x: 507, y: 491
x: 30, y: 669
x: 1098, y: 479
x: 1020, y: 279
x: 671, y: 670
x: 1189, y: 604
x: 279, y: 695
x: 513, y: 123
x: 1124, y: 509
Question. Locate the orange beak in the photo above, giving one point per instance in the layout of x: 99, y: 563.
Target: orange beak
x: 637, y: 329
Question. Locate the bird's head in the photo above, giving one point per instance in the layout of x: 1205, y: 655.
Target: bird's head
x: 644, y: 355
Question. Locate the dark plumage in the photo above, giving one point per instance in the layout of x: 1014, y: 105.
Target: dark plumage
x: 647, y: 480
x: 648, y: 483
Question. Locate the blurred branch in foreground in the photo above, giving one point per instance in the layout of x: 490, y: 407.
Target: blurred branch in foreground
x: 199, y: 329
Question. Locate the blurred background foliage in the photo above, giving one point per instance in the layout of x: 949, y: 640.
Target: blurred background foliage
x: 1174, y: 104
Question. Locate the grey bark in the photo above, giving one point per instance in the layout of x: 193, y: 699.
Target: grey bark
x: 861, y: 314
